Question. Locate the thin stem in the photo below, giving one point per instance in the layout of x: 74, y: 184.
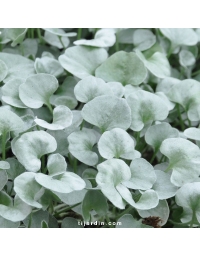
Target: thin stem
x: 30, y: 221
x: 39, y: 35
x: 124, y: 212
x: 66, y: 209
x: 75, y: 165
x: 82, y: 124
x: 116, y: 44
x: 137, y: 139
x: 170, y: 51
x: 154, y: 155
x: 180, y: 117
x: 196, y: 73
x: 60, y: 39
x: 43, y: 164
x: 168, y: 168
x: 32, y: 32
x: 3, y: 139
x: 50, y: 108
x: 79, y: 33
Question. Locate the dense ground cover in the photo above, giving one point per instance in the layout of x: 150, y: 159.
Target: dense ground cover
x: 99, y: 128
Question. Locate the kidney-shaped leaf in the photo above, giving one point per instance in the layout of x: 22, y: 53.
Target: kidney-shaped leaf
x: 188, y: 196
x: 81, y: 144
x: 145, y: 107
x: 103, y: 38
x: 143, y: 39
x: 91, y: 87
x: 107, y: 112
x: 82, y: 61
x: 17, y: 212
x: 37, y: 90
x: 117, y: 143
x: 180, y: 36
x: 56, y: 164
x: 49, y: 66
x: 62, y: 118
x: 9, y: 121
x: 28, y: 189
x: 156, y: 134
x: 94, y: 200
x: 10, y: 93
x: 184, y: 160
x: 192, y: 133
x: 142, y: 175
x: 31, y: 146
x: 123, y: 67
x: 64, y: 183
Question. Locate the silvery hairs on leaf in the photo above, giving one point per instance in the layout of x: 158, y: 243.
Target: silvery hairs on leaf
x: 37, y: 90
x: 107, y: 112
x: 123, y: 67
x: 31, y: 146
x: 75, y: 60
x: 62, y: 118
x: 145, y: 107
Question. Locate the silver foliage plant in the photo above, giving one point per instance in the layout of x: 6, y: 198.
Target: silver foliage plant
x: 99, y: 128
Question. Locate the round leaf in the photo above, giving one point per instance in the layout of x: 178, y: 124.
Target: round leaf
x: 81, y: 144
x: 64, y: 183
x: 49, y: 66
x: 91, y: 87
x: 107, y: 112
x: 3, y: 70
x: 75, y: 60
x: 122, y: 67
x: 37, y: 90
x: 184, y: 160
x: 62, y: 118
x: 56, y: 164
x: 103, y: 38
x: 117, y: 143
x: 143, y: 39
x: 145, y: 107
x: 31, y: 146
x: 28, y: 189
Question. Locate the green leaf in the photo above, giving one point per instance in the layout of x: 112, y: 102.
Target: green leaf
x: 18, y: 212
x: 10, y: 93
x: 70, y: 222
x: 107, y: 112
x: 166, y: 85
x: 186, y: 58
x: 103, y: 38
x: 28, y: 189
x: 56, y: 164
x: 15, y: 168
x: 94, y: 200
x: 62, y: 118
x: 54, y: 40
x: 91, y: 87
x: 4, y: 165
x: 116, y: 88
x: 61, y: 140
x: 156, y: 134
x: 81, y: 144
x: 157, y: 64
x: 3, y: 70
x: 161, y: 210
x: 127, y: 221
x: 65, y: 94
x: 75, y: 60
x: 9, y: 121
x: 37, y: 90
x: 31, y: 146
x: 180, y: 36
x: 192, y: 133
x: 65, y: 183
x: 74, y: 197
x: 8, y: 224
x: 16, y: 35
x: 163, y: 186
x: 122, y: 67
x: 184, y: 160
x: 117, y: 143
x: 142, y: 175
x: 60, y: 32
x: 188, y: 197
x: 149, y: 199
x: 3, y: 179
x: 145, y: 107
x: 143, y: 39
x: 18, y: 66
x: 49, y: 66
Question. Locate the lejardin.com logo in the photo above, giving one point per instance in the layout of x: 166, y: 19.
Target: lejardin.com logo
x: 99, y: 223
